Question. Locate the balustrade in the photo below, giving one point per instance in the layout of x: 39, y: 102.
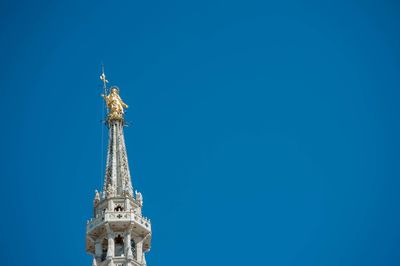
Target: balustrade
x: 118, y: 216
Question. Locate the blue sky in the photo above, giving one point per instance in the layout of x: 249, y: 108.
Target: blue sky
x: 262, y: 132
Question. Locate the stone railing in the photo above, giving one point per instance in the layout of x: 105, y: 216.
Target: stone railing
x: 118, y: 216
x: 142, y: 220
x: 122, y: 261
x: 123, y: 216
x: 93, y: 222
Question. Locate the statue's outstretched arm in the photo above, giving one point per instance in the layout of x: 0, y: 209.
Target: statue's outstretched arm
x: 122, y: 102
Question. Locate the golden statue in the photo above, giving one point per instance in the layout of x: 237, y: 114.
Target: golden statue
x: 114, y: 104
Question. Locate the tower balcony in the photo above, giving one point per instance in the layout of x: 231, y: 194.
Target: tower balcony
x: 122, y: 261
x: 118, y: 217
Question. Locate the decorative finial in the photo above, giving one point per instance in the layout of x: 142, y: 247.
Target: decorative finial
x: 96, y: 198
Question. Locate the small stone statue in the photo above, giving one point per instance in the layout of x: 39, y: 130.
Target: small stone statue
x: 96, y: 198
x: 110, y: 191
x: 114, y: 104
x: 139, y: 198
x: 127, y: 192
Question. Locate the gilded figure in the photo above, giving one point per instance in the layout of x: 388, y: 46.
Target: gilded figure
x: 114, y: 104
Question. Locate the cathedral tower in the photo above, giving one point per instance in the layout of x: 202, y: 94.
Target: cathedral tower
x: 118, y: 234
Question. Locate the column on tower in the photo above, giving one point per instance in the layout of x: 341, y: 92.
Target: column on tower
x: 110, y: 246
x: 139, y: 249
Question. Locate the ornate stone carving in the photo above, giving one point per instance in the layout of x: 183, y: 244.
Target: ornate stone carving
x: 139, y: 198
x: 110, y: 249
x: 110, y: 191
x: 128, y: 248
x: 96, y: 198
x: 117, y: 167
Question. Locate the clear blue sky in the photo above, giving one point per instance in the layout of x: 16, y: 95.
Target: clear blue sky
x: 262, y: 132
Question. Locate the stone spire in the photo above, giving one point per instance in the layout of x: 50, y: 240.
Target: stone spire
x: 117, y: 180
x: 118, y: 234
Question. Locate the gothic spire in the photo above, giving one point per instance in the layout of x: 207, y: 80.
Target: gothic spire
x: 118, y: 234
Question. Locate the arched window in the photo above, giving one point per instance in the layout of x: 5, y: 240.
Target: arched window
x: 104, y: 246
x: 119, y: 208
x: 119, y: 245
x: 133, y: 247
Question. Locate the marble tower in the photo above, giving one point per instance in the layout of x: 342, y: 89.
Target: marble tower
x: 118, y: 234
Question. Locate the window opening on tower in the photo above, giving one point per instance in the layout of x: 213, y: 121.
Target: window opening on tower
x: 119, y: 208
x: 119, y: 245
x: 133, y: 247
x: 104, y: 246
